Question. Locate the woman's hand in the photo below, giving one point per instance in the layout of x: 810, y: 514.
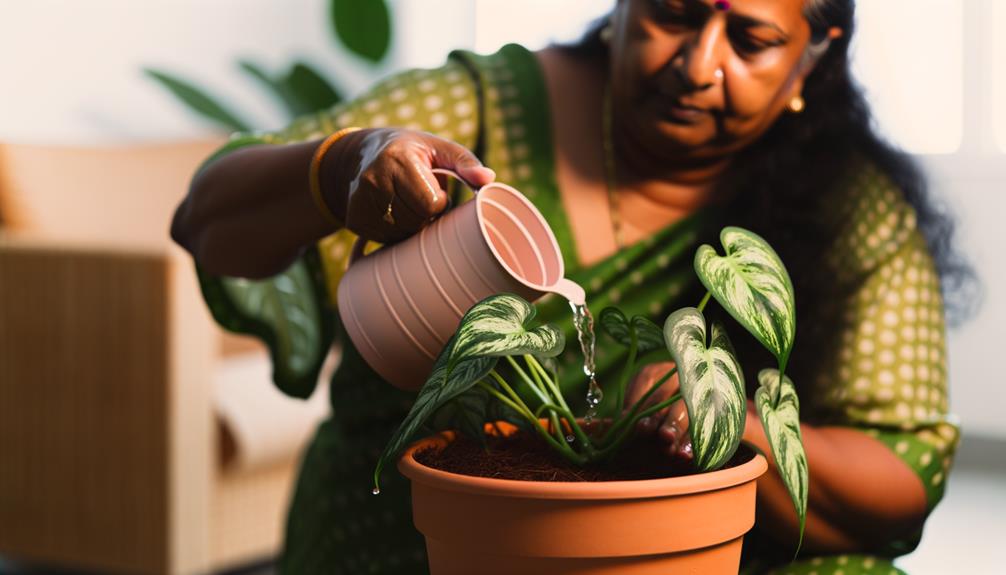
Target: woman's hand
x: 384, y: 184
x: 670, y: 423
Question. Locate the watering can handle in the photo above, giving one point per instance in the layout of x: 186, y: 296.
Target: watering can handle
x: 360, y: 244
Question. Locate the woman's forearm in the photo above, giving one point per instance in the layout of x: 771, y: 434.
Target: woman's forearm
x: 860, y: 494
x: 250, y: 213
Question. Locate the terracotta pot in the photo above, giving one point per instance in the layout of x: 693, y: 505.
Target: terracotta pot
x: 477, y: 525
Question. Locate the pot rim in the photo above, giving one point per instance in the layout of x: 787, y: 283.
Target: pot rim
x: 585, y: 490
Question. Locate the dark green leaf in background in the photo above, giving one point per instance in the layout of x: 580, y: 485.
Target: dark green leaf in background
x: 198, y: 100
x: 364, y: 26
x: 301, y: 91
x: 648, y: 335
x: 311, y: 88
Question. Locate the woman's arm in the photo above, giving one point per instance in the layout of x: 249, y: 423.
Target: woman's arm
x: 249, y: 213
x: 861, y: 494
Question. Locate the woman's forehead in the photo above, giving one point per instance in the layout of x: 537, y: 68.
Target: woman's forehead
x: 783, y: 13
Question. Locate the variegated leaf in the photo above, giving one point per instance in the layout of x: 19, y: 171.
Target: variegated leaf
x: 467, y: 413
x: 648, y: 334
x: 779, y: 410
x: 492, y: 328
x: 712, y: 385
x: 496, y: 326
x: 449, y: 379
x: 752, y: 284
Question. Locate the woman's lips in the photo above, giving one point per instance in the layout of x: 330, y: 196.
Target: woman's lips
x: 681, y: 113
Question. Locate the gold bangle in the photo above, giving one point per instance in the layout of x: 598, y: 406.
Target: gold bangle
x: 314, y: 178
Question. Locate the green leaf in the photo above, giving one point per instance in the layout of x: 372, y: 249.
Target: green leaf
x: 450, y: 378
x: 779, y: 410
x: 364, y: 26
x: 314, y: 92
x: 466, y: 413
x: 752, y: 284
x: 280, y: 91
x: 198, y: 100
x: 615, y: 324
x: 301, y: 91
x: 648, y: 334
x: 287, y: 311
x: 494, y: 327
x: 712, y: 385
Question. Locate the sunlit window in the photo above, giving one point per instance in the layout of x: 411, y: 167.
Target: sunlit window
x: 909, y: 56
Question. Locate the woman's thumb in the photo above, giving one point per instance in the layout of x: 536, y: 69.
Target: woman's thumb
x: 453, y: 156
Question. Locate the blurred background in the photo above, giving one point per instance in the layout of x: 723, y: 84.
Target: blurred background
x: 106, y: 108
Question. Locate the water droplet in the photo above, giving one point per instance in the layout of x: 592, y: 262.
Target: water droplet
x: 376, y: 491
x: 570, y: 439
x: 583, y: 321
x: 594, y: 393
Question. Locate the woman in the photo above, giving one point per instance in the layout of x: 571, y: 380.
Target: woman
x: 670, y: 119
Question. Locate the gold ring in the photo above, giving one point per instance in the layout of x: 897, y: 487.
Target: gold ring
x: 388, y: 216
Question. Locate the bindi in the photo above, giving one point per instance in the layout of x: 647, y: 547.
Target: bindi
x: 721, y: 5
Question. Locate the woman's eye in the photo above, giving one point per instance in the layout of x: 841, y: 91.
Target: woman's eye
x: 748, y: 45
x: 671, y: 12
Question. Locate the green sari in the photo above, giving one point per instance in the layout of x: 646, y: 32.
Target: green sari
x: 888, y: 377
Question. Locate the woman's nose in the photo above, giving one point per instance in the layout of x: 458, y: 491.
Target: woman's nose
x: 702, y: 56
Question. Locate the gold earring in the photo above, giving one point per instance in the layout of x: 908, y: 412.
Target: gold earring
x: 797, y: 104
x: 607, y: 33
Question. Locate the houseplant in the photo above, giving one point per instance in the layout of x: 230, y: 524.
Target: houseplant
x: 659, y: 524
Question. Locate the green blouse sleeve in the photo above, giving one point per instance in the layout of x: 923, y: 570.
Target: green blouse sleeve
x: 889, y: 375
x: 293, y: 312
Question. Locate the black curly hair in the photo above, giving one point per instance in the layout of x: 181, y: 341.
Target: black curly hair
x: 783, y: 177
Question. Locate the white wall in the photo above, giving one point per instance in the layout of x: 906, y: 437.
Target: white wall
x: 72, y: 68
x: 935, y: 71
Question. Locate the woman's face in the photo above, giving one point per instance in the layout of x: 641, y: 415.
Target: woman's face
x: 700, y: 78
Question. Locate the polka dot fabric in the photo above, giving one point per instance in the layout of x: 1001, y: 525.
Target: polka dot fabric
x: 889, y: 376
x: 839, y: 565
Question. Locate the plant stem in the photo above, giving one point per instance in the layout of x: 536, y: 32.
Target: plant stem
x: 627, y: 371
x: 623, y: 421
x: 627, y: 429
x: 542, y: 396
x: 567, y: 412
x: 705, y: 300
x: 552, y: 386
x: 522, y: 410
x: 540, y: 380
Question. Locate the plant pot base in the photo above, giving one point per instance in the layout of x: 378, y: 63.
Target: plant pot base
x: 449, y: 560
x: 690, y: 525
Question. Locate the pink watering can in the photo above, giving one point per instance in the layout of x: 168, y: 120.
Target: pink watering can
x: 403, y: 302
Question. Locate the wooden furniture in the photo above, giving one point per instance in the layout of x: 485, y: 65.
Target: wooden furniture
x: 109, y: 446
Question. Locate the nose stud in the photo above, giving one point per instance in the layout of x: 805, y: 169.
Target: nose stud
x: 718, y: 73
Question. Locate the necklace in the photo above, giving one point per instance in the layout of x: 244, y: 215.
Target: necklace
x: 610, y: 177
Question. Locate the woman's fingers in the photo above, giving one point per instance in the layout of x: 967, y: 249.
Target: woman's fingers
x: 449, y: 155
x: 674, y: 431
x: 647, y: 377
x: 394, y: 192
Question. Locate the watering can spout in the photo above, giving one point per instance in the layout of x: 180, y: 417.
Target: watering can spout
x: 571, y: 291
